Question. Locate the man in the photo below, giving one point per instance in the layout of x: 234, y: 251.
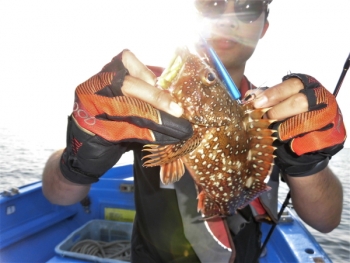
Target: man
x: 160, y: 227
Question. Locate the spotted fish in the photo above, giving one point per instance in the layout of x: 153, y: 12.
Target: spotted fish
x: 230, y: 154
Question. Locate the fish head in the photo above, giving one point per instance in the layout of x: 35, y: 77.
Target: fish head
x: 195, y: 85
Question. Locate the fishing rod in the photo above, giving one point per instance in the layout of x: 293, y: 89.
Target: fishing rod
x: 222, y: 72
x: 286, y: 201
x: 342, y: 76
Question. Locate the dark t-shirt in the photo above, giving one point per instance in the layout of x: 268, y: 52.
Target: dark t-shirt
x: 158, y: 234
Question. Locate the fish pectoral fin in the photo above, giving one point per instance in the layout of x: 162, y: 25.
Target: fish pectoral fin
x: 163, y: 154
x: 159, y: 155
x: 172, y: 172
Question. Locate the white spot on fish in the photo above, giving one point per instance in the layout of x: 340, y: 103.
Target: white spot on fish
x: 249, y: 182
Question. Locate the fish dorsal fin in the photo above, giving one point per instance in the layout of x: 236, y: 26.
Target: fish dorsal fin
x: 259, y: 157
x: 172, y: 172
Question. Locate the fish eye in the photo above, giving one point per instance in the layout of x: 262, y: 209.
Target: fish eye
x: 211, y: 76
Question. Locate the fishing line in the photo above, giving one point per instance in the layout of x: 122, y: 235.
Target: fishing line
x: 119, y: 249
x: 286, y: 201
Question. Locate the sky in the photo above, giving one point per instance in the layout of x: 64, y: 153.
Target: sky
x: 50, y: 47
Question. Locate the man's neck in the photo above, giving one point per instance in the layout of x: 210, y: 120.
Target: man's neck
x: 236, y: 75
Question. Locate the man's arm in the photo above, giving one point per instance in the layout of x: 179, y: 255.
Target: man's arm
x: 56, y: 188
x: 318, y: 199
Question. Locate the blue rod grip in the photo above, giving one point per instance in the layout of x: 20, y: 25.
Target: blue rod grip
x: 223, y: 74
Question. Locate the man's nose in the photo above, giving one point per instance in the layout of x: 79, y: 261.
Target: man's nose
x: 227, y: 22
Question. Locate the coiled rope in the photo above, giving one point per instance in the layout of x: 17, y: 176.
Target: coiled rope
x: 120, y: 249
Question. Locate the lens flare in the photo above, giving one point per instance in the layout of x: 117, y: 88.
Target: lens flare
x: 226, y: 27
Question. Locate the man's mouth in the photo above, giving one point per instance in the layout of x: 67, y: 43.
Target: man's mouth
x: 222, y: 43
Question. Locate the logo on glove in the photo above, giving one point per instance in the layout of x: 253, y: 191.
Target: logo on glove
x: 81, y: 113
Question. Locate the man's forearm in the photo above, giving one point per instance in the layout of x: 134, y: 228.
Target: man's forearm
x: 56, y: 188
x: 318, y: 199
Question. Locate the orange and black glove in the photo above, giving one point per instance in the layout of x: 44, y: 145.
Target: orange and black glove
x: 308, y: 140
x: 104, y: 122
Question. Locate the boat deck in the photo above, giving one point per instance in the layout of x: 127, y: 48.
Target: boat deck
x: 31, y: 227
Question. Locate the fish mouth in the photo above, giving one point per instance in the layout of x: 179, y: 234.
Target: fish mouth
x: 172, y: 71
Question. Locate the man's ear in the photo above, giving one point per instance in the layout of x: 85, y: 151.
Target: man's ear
x: 266, y: 26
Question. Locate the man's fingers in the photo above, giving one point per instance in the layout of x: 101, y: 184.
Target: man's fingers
x: 252, y: 94
x: 160, y: 99
x: 137, y: 69
x: 141, y: 82
x: 284, y: 99
x: 292, y: 106
x: 278, y: 93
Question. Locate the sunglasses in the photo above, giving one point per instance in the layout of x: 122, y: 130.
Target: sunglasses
x: 247, y: 11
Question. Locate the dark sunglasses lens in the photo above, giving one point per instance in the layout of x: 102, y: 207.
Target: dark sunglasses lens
x: 250, y: 10
x: 209, y: 8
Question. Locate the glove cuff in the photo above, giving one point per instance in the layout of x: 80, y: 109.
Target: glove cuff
x: 73, y: 174
x: 315, y: 169
x: 87, y: 152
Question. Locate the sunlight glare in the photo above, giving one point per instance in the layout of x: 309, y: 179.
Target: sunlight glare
x: 179, y: 27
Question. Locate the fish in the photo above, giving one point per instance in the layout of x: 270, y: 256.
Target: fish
x: 230, y: 154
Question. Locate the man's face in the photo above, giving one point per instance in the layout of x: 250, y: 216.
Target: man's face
x: 234, y: 40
